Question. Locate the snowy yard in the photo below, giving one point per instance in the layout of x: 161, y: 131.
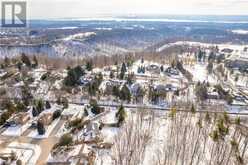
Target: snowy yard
x: 237, y: 109
x: 17, y: 130
x: 199, y: 73
x: 62, y: 130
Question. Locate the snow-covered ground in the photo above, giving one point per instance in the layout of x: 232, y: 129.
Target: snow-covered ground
x: 17, y: 130
x: 240, y: 31
x: 199, y: 72
x: 62, y: 130
x: 109, y: 133
x: 221, y: 46
x: 156, y: 141
x: 76, y: 111
x: 237, y: 109
x: 79, y: 36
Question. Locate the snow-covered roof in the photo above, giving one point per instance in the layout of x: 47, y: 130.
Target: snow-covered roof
x: 64, y: 154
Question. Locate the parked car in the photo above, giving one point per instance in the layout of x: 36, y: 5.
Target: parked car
x: 10, y: 124
x: 33, y: 125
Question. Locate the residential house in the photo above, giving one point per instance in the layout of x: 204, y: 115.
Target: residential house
x: 91, y: 131
x: 46, y: 118
x: 138, y: 92
x: 213, y: 94
x: 21, y: 117
x: 153, y: 68
x: 172, y: 71
x: 106, y: 87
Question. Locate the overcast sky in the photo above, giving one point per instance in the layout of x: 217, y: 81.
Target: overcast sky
x: 97, y: 8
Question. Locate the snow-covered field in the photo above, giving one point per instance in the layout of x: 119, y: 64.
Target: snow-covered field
x: 199, y: 73
x: 237, y: 109
x: 221, y: 46
x: 62, y: 130
x: 240, y: 31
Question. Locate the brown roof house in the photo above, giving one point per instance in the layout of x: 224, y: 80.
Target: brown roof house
x: 46, y: 118
x: 21, y: 118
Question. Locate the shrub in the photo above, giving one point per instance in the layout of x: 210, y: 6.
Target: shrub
x: 25, y: 60
x: 121, y: 115
x: 39, y: 105
x: 18, y: 162
x: 125, y: 93
x: 73, y: 76
x: 45, y: 76
x: 48, y: 105
x: 94, y: 107
x: 35, y: 112
x: 65, y: 140
x: 40, y: 128
x: 75, y: 123
x: 56, y: 114
x: 193, y: 109
x: 64, y: 102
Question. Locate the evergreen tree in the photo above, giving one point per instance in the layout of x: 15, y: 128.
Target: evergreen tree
x: 25, y: 60
x: 120, y: 115
x: 89, y: 65
x: 6, y: 61
x: 35, y: 112
x: 236, y: 78
x: 92, y: 88
x: 40, y: 128
x: 40, y: 105
x: 94, y: 107
x: 65, y: 102
x: 98, y: 79
x: 211, y: 56
x: 210, y: 67
x: 20, y: 106
x: 123, y: 70
x: 201, y: 91
x: 143, y: 70
x: 35, y: 64
x: 199, y: 56
x: 73, y: 76
x: 138, y: 70
x: 125, y: 93
x: 19, y: 65
x: 161, y: 68
x: 56, y: 114
x: 130, y: 79
x: 26, y: 94
x: 111, y: 75
x: 48, y: 105
x: 86, y: 112
x: 193, y: 109
x: 116, y: 91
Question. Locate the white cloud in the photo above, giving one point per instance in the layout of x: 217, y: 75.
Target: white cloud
x: 86, y: 8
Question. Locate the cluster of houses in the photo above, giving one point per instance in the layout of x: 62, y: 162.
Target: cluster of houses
x: 84, y: 125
